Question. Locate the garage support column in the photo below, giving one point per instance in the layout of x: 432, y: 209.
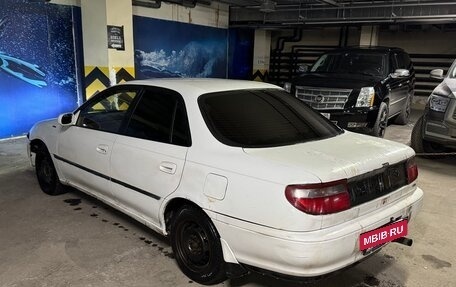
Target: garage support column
x: 103, y: 66
x: 261, y: 55
x: 369, y: 36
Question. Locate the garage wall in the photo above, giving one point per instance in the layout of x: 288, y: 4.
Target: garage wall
x: 431, y: 41
x: 216, y: 15
x: 328, y: 36
x: 38, y: 70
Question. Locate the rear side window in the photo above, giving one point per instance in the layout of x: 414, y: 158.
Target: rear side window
x: 160, y: 116
x: 262, y: 118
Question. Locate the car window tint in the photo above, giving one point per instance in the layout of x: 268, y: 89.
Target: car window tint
x: 181, y: 130
x: 400, y: 61
x: 406, y: 60
x: 351, y: 62
x: 262, y: 118
x: 160, y: 116
x: 452, y: 72
x: 393, y: 63
x: 107, y: 112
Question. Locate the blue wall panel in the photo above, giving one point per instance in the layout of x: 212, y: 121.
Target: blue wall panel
x: 38, y: 78
x: 173, y: 49
x: 240, y: 63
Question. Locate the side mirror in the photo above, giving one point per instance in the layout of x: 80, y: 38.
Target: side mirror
x: 303, y: 68
x: 400, y: 73
x: 437, y: 74
x: 65, y: 119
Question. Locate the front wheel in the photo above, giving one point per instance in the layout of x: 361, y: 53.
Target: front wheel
x: 46, y: 174
x: 196, y: 246
x: 421, y: 146
x: 382, y: 121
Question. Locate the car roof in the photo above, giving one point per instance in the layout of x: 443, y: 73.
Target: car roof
x: 199, y: 86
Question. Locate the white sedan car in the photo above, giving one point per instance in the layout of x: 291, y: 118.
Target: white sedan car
x: 240, y: 175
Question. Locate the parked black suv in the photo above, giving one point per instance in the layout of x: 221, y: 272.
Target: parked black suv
x: 359, y: 88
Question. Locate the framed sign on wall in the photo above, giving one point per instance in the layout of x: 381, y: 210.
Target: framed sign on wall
x: 116, y: 38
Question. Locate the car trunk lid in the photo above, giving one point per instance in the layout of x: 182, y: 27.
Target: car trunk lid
x: 374, y: 168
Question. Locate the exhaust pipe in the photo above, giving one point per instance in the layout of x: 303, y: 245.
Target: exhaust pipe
x: 404, y: 240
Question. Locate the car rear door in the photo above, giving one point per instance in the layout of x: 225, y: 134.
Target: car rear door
x: 84, y: 150
x: 148, y: 159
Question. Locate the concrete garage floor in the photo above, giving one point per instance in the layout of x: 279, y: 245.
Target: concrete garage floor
x: 75, y: 240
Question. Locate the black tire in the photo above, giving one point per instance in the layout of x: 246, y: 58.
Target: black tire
x: 404, y: 116
x: 416, y: 139
x: 196, y: 246
x: 381, y: 122
x: 423, y: 146
x: 46, y: 174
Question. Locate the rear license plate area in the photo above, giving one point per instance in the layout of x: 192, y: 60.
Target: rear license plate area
x: 373, y: 240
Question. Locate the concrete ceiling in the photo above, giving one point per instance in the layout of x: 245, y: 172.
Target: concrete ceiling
x: 296, y: 13
x: 289, y: 13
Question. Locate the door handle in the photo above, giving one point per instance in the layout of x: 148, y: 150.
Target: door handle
x: 103, y: 149
x: 168, y: 167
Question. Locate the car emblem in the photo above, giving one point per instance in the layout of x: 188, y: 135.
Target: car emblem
x: 319, y: 99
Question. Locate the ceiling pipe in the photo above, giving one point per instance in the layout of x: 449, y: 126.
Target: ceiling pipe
x: 185, y: 3
x: 155, y: 4
x: 291, y: 7
x: 329, y: 2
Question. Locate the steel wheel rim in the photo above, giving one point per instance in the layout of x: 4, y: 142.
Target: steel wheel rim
x: 193, y: 246
x: 45, y: 172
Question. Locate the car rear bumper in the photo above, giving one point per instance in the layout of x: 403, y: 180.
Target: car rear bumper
x: 308, y: 254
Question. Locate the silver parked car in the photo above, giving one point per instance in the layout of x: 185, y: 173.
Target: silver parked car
x: 435, y: 131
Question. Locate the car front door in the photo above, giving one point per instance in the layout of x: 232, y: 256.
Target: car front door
x: 399, y: 86
x: 84, y: 149
x: 148, y: 159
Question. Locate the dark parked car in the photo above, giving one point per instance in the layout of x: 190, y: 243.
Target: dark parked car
x: 435, y: 131
x: 359, y: 88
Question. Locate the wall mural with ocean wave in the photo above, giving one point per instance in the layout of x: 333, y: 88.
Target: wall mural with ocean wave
x: 38, y: 78
x: 165, y: 49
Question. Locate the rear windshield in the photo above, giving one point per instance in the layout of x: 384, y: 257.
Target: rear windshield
x: 262, y: 118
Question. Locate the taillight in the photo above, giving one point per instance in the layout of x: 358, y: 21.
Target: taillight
x: 412, y: 170
x: 320, y: 198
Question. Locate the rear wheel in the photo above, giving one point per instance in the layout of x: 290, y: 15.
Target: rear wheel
x: 382, y: 121
x: 196, y: 246
x: 46, y: 174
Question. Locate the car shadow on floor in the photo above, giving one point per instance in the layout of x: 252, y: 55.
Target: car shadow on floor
x: 73, y: 197
x: 364, y: 274
x: 368, y: 273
